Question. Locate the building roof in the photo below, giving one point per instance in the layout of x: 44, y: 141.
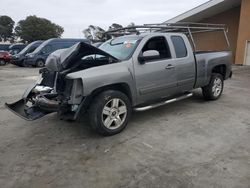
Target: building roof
x: 205, y: 10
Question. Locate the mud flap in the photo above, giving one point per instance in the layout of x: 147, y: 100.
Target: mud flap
x: 28, y: 113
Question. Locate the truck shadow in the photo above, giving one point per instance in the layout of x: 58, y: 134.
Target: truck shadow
x: 175, y: 108
x: 81, y: 128
x: 50, y: 134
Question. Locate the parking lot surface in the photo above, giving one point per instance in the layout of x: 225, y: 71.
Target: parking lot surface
x: 191, y: 143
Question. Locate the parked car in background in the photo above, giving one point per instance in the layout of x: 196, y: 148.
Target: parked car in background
x: 4, y: 47
x: 4, y: 57
x: 18, y: 59
x: 16, y: 48
x: 39, y: 55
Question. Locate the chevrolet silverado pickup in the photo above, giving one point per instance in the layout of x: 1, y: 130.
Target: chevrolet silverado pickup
x: 125, y: 74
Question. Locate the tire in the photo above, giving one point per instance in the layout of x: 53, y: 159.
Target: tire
x: 24, y: 64
x: 214, y: 89
x: 2, y: 62
x: 40, y: 63
x: 105, y: 117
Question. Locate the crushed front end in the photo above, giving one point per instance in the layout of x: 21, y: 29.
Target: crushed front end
x: 51, y: 93
x: 54, y: 91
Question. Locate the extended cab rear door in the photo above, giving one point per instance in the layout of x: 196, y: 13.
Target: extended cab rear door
x: 184, y: 61
x: 155, y: 78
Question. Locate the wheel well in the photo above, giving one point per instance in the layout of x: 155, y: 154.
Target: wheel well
x: 221, y: 69
x: 40, y: 59
x: 122, y: 87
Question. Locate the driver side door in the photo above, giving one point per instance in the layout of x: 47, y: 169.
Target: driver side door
x: 156, y: 78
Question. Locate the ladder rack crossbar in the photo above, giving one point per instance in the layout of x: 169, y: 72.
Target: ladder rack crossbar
x: 188, y: 28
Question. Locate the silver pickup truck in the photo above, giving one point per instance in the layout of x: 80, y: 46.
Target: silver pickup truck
x: 132, y: 72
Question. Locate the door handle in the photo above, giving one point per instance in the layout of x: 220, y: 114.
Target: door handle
x: 169, y: 67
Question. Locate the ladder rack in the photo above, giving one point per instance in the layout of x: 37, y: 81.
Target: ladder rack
x: 187, y: 28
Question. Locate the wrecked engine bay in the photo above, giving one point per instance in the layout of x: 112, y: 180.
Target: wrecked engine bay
x: 53, y: 91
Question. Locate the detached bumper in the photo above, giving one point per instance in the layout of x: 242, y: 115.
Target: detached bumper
x: 28, y: 113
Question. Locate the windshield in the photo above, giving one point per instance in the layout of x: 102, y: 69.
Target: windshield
x: 14, y: 51
x: 28, y: 49
x: 122, y: 47
x: 40, y: 47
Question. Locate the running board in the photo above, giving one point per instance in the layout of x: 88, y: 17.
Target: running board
x: 144, y: 108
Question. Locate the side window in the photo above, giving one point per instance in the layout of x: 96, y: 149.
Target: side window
x: 67, y: 45
x: 159, y: 44
x: 16, y: 51
x: 47, y: 49
x: 179, y: 46
x: 31, y: 49
x: 58, y: 46
x: 63, y: 45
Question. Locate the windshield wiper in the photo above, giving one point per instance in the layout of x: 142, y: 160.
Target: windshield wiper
x: 114, y: 44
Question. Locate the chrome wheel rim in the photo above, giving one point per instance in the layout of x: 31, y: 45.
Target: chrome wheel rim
x: 114, y: 113
x: 217, y: 87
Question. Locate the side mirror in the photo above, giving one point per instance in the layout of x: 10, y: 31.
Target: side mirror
x: 148, y: 55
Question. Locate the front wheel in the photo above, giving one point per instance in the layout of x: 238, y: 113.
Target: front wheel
x: 24, y: 64
x: 40, y: 63
x: 214, y: 89
x: 109, y: 112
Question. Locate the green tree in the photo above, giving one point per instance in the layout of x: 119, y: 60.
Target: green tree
x: 6, y: 28
x: 34, y: 28
x: 96, y: 33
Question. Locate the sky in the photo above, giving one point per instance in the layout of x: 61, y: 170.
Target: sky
x: 76, y: 15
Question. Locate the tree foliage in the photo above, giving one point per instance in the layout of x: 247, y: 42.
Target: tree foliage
x: 115, y: 26
x: 96, y: 33
x: 34, y: 28
x: 6, y: 28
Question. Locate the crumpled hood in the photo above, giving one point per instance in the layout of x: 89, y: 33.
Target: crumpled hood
x: 65, y: 58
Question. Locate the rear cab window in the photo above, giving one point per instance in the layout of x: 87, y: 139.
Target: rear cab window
x: 179, y: 46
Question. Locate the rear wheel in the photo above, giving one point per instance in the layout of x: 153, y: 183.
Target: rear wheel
x: 2, y: 62
x: 214, y: 89
x: 109, y: 113
x: 40, y: 63
x: 24, y: 64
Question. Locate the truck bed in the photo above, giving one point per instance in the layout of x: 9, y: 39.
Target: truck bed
x: 206, y: 60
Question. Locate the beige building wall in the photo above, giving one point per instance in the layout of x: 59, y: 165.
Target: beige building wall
x: 216, y: 40
x: 244, y: 31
